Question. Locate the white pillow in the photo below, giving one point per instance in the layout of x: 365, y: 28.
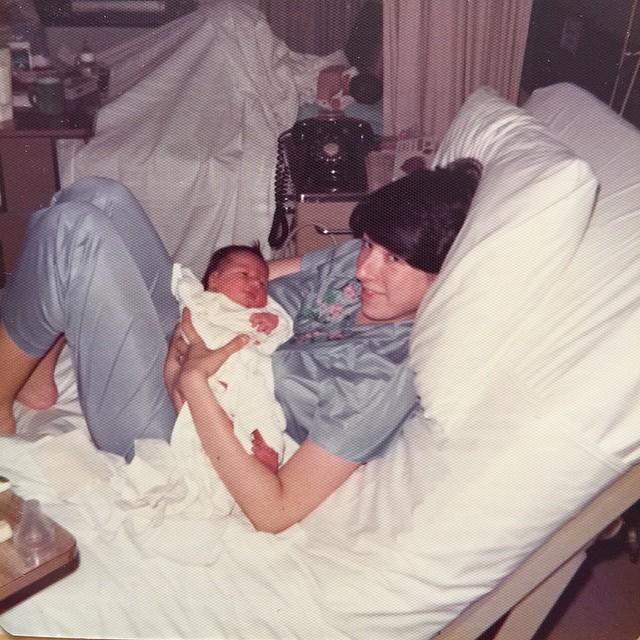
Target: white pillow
x: 600, y: 292
x: 527, y: 217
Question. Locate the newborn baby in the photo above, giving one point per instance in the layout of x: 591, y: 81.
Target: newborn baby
x: 236, y: 301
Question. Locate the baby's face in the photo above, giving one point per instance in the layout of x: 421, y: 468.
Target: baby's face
x: 243, y: 278
x: 329, y: 82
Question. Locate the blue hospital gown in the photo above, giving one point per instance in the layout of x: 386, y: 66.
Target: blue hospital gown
x: 347, y: 388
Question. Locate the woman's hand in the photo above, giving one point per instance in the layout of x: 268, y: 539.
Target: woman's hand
x: 173, y: 365
x: 188, y: 357
x: 197, y: 357
x: 329, y: 81
x: 272, y: 498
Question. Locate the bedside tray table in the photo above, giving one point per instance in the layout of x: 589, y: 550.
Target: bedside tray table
x: 17, y: 579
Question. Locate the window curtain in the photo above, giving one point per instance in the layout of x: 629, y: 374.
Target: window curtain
x: 311, y: 26
x: 436, y: 53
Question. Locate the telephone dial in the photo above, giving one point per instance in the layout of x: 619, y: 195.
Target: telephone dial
x: 319, y: 155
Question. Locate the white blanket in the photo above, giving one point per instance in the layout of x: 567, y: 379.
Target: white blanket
x: 191, y: 126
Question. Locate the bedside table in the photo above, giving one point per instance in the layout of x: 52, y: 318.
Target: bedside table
x: 12, y: 232
x: 322, y: 220
x: 28, y: 156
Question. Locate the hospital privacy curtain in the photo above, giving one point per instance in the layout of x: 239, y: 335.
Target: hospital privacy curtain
x: 437, y: 52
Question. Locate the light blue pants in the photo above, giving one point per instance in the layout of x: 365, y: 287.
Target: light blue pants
x: 93, y: 268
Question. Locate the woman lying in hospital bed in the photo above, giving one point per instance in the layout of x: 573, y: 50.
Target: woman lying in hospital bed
x: 520, y: 351
x: 94, y: 270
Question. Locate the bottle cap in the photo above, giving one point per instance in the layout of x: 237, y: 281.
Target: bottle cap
x: 5, y: 530
x: 5, y: 484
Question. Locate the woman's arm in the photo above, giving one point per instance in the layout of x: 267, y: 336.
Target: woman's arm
x: 272, y: 500
x: 284, y: 266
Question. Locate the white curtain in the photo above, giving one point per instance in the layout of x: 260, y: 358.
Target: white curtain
x: 436, y: 52
x: 311, y: 26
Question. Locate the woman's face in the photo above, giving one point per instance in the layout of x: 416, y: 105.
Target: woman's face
x: 391, y: 289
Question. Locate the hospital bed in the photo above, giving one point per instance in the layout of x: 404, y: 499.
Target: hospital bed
x: 525, y: 597
x: 525, y: 448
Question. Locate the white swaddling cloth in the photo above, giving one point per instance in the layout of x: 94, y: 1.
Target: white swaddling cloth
x: 244, y: 383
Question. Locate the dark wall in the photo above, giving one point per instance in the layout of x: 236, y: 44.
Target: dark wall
x: 581, y: 41
x: 364, y: 44
x: 592, y: 63
x: 59, y: 13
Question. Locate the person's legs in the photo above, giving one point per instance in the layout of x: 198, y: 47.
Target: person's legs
x: 16, y: 367
x: 138, y: 234
x: 40, y: 390
x: 94, y: 269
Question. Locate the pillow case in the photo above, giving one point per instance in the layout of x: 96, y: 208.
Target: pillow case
x: 600, y: 291
x: 527, y: 217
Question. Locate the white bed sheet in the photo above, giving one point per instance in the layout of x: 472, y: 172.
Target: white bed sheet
x: 385, y: 556
x: 192, y: 122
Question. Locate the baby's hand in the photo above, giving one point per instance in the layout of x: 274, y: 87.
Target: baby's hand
x: 263, y: 452
x: 264, y: 321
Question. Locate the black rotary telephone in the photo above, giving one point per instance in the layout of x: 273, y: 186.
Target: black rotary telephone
x: 319, y: 155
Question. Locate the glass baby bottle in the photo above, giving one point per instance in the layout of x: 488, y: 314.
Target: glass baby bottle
x: 33, y: 537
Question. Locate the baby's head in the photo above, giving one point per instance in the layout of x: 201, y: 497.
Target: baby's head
x: 241, y: 273
x: 366, y: 88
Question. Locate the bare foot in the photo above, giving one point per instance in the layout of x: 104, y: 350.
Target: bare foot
x: 7, y: 422
x: 263, y: 452
x: 17, y: 367
x: 40, y: 390
x: 38, y: 393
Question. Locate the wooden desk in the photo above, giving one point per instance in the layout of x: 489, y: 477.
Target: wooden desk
x: 17, y: 580
x: 28, y: 157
